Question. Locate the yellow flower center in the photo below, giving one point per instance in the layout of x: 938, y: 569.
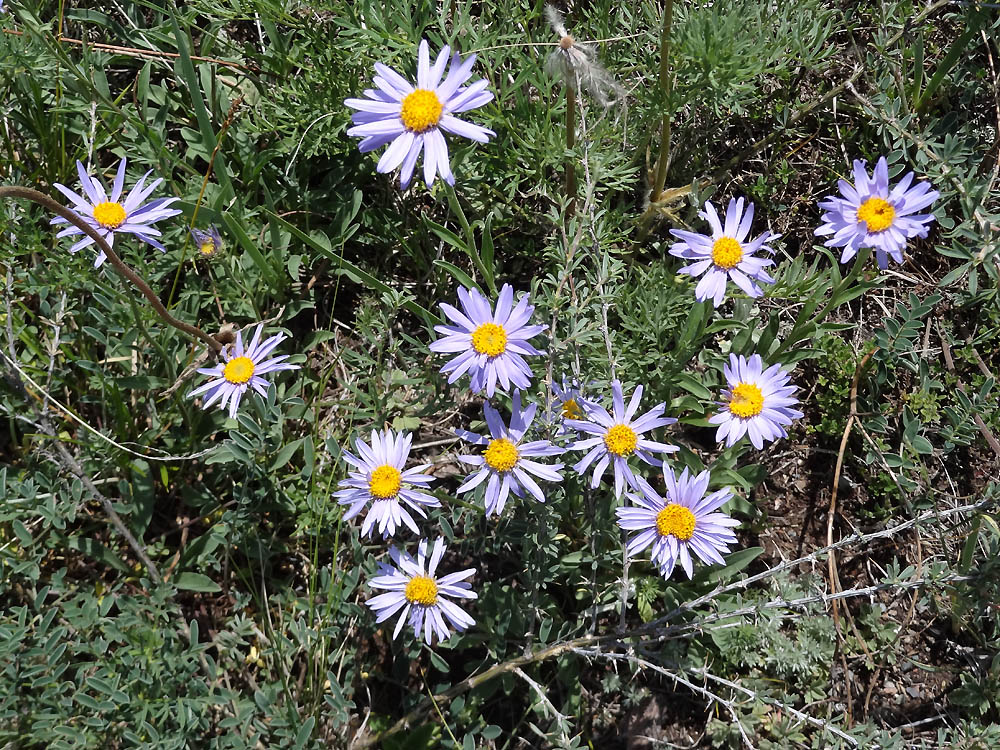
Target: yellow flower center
x: 571, y: 409
x: 421, y: 110
x: 877, y: 213
x: 385, y: 482
x: 747, y: 401
x: 421, y: 590
x: 489, y: 339
x: 676, y: 520
x: 727, y: 253
x: 501, y: 455
x: 621, y: 440
x: 109, y: 215
x: 207, y: 247
x: 238, y: 370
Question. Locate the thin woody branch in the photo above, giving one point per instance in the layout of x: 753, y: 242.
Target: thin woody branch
x: 15, y: 191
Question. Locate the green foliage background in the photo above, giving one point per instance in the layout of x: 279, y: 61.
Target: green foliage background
x: 260, y: 636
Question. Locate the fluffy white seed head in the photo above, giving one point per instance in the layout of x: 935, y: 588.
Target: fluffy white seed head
x: 576, y: 64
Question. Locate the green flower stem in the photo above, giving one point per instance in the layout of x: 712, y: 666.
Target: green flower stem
x: 570, y: 143
x: 666, y: 84
x: 15, y: 191
x: 470, y: 238
x: 800, y: 327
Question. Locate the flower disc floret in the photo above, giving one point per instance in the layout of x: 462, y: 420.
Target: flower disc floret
x: 421, y: 590
x: 871, y: 213
x: 507, y: 463
x: 571, y: 409
x: 566, y: 404
x: 676, y: 520
x: 412, y: 118
x: 877, y: 214
x: 611, y: 438
x: 621, y: 440
x: 109, y: 214
x: 114, y: 212
x: 501, y: 455
x: 687, y: 523
x: 421, y: 110
x: 238, y: 370
x: 413, y: 588
x: 385, y: 482
x: 727, y: 253
x: 747, y: 401
x: 379, y: 481
x: 209, y: 241
x: 242, y: 370
x: 489, y: 339
x: 758, y: 402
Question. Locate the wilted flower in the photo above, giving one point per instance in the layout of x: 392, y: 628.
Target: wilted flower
x: 575, y: 62
x: 685, y: 521
x: 411, y: 118
x: 506, y: 461
x: 618, y: 437
x: 726, y: 254
x: 209, y: 241
x: 413, y: 588
x: 490, y: 345
x: 382, y: 479
x: 242, y: 370
x: 758, y: 402
x: 109, y: 215
x: 869, y: 214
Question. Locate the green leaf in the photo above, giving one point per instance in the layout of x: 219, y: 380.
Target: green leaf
x: 456, y: 273
x: 196, y: 582
x: 447, y: 235
x: 305, y: 732
x: 23, y: 535
x: 692, y: 386
x: 420, y: 738
x: 735, y: 563
x: 96, y: 551
x: 440, y: 664
x: 285, y: 454
x: 235, y: 227
x: 342, y: 264
x: 209, y: 138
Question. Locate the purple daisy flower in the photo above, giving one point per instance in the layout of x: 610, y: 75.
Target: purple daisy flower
x: 414, y: 588
x: 381, y: 479
x: 726, y: 254
x: 685, y: 521
x: 567, y: 403
x: 110, y: 215
x: 506, y: 461
x: 758, y: 402
x: 241, y: 370
x: 869, y: 214
x: 412, y: 118
x: 209, y: 241
x: 492, y: 345
x: 618, y: 437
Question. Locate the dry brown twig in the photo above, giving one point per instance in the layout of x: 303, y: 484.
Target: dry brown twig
x: 140, y: 53
x: 831, y: 514
x: 16, y: 191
